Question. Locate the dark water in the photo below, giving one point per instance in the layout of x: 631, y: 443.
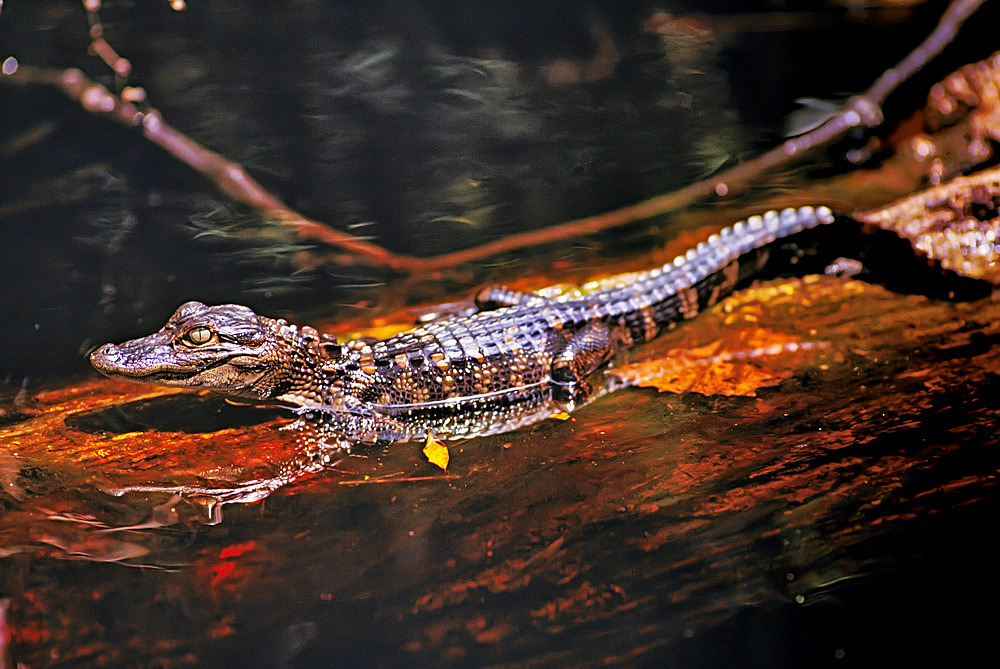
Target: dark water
x: 839, y: 518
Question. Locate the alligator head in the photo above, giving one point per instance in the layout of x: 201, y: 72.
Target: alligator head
x: 228, y: 349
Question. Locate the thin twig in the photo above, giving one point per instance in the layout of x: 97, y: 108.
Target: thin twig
x: 390, y: 479
x: 863, y: 110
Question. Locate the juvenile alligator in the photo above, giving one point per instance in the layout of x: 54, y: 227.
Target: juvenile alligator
x: 516, y: 358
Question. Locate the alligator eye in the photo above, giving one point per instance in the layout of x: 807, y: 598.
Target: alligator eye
x: 198, y: 336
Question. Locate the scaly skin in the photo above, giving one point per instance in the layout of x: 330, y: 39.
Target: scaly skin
x: 519, y: 359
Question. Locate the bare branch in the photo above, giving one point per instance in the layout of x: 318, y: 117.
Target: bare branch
x: 864, y: 110
x: 230, y: 177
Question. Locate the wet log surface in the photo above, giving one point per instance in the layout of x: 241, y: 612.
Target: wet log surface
x: 836, y: 513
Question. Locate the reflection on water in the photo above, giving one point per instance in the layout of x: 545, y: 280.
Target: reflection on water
x: 173, y: 413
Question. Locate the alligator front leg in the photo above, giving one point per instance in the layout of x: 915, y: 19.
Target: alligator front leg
x: 583, y: 354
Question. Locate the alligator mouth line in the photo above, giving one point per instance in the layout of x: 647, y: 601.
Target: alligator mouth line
x: 159, y: 375
x: 146, y: 377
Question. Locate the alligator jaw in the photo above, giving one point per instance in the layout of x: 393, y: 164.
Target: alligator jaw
x: 110, y: 361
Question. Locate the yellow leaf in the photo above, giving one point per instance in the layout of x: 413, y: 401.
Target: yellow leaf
x: 562, y: 415
x: 436, y: 452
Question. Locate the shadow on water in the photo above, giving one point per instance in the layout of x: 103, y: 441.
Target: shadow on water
x: 178, y: 413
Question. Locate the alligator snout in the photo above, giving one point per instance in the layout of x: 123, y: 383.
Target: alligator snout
x: 106, y: 358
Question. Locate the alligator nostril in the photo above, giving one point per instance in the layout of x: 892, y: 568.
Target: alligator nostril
x: 106, y: 351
